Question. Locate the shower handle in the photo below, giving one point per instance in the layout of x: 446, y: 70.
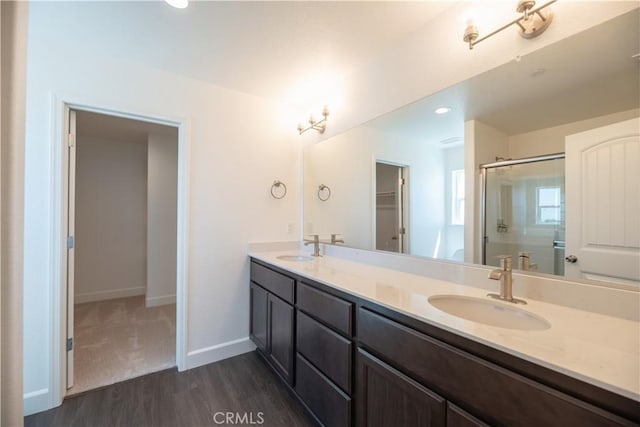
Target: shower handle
x: 571, y: 258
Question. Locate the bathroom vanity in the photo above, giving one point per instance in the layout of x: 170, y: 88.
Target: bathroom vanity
x: 361, y: 345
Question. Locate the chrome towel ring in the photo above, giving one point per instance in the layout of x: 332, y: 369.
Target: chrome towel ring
x: 275, y: 187
x: 324, y: 192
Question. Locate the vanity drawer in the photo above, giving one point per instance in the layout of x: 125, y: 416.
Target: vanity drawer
x: 334, y: 311
x: 457, y: 417
x: 328, y: 351
x: 490, y: 391
x: 329, y: 404
x: 274, y: 282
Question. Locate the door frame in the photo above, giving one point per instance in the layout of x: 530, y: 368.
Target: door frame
x: 60, y: 106
x: 406, y: 241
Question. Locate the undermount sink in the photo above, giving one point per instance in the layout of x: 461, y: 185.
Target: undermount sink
x: 299, y: 258
x: 489, y: 312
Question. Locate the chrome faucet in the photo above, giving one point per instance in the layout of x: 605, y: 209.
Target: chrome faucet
x: 316, y: 244
x: 334, y: 239
x: 506, y: 281
x: 524, y: 262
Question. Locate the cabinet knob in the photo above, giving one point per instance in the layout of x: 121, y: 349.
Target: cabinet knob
x: 571, y: 258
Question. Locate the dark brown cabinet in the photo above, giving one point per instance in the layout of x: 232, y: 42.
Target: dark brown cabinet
x: 457, y: 417
x: 354, y: 362
x: 259, y: 323
x: 495, y: 394
x: 388, y: 397
x: 331, y: 310
x: 281, y: 336
x: 327, y: 350
x: 272, y: 318
x: 330, y: 405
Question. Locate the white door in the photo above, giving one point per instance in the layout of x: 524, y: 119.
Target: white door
x: 71, y: 209
x: 603, y: 203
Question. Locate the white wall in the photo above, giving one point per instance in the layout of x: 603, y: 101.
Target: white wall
x: 232, y: 166
x: 551, y: 140
x: 346, y: 163
x: 454, y: 234
x: 13, y: 35
x: 162, y: 216
x: 111, y: 219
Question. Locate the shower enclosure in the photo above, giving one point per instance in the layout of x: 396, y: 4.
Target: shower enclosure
x: 523, y: 213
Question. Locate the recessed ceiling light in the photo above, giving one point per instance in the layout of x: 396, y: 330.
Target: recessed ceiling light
x: 442, y: 110
x: 178, y: 4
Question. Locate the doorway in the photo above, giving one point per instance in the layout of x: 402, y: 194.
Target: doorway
x: 122, y: 249
x: 391, y: 207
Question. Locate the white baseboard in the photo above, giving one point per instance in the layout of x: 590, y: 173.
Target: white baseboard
x: 161, y: 300
x: 110, y: 294
x: 36, y: 401
x: 218, y: 352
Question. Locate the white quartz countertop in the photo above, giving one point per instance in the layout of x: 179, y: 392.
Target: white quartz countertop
x: 595, y: 348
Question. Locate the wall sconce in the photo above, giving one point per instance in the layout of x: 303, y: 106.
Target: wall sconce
x: 319, y: 125
x: 532, y: 23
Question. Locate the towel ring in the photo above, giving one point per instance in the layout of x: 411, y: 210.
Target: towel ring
x: 275, y: 186
x: 323, y: 189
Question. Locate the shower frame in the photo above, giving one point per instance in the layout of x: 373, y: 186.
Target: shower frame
x: 483, y: 187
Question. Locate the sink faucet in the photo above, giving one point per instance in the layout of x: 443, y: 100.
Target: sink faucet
x: 316, y: 244
x: 506, y: 282
x: 524, y: 262
x: 334, y: 239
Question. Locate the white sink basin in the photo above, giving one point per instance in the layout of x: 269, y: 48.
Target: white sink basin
x: 298, y: 258
x: 489, y: 312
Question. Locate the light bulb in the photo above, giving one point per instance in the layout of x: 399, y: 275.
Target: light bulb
x: 178, y: 4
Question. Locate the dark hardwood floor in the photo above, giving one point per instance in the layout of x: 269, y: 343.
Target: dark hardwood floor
x: 242, y: 386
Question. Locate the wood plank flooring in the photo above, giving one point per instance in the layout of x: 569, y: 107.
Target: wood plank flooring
x: 242, y: 385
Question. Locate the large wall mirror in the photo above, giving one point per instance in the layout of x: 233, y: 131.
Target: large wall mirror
x: 536, y: 159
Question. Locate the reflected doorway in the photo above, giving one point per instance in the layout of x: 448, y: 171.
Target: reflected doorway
x: 391, y: 204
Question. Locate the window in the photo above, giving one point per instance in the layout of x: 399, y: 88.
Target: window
x: 548, y: 205
x: 457, y: 197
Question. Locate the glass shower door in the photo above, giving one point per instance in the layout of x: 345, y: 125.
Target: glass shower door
x: 524, y: 214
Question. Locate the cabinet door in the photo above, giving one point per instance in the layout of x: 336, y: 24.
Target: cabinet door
x: 281, y: 325
x: 457, y: 417
x: 259, y: 317
x: 388, y: 397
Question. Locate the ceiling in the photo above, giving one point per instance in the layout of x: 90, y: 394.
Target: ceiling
x: 263, y: 48
x: 108, y: 127
x: 586, y: 75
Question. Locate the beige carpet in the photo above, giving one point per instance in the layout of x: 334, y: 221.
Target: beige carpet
x: 120, y: 339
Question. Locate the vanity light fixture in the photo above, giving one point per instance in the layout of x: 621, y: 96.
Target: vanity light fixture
x: 442, y: 110
x: 533, y: 22
x: 178, y: 4
x: 319, y: 125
